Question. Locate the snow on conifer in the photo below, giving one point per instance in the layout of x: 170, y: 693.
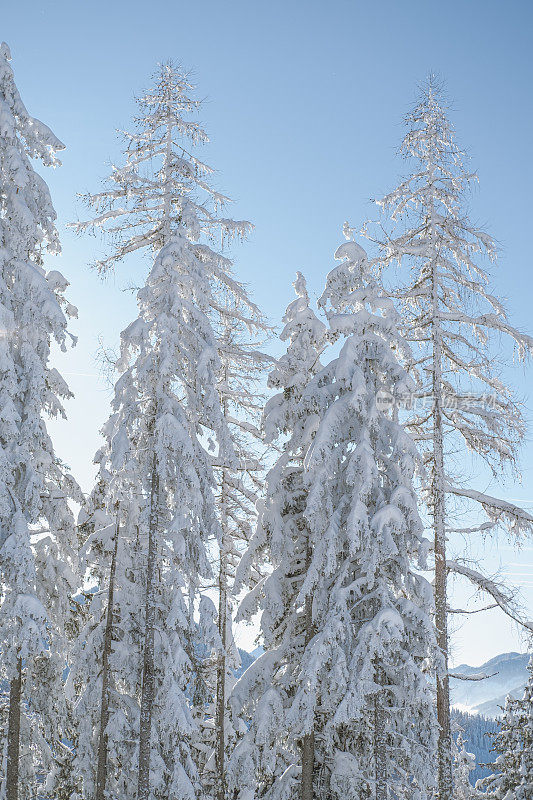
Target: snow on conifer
x: 105, y: 674
x: 453, y: 320
x: 513, y: 767
x: 463, y: 764
x: 368, y: 665
x: 163, y: 185
x: 166, y: 441
x: 507, y: 745
x: 351, y: 602
x: 37, y: 534
x: 267, y: 753
x: 525, y: 787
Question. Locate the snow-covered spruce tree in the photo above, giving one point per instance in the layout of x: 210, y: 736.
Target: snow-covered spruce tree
x: 372, y: 657
x: 451, y: 318
x: 525, y: 787
x: 267, y: 750
x: 463, y: 764
x: 513, y: 776
x: 507, y: 745
x: 37, y: 533
x: 165, y: 402
x: 166, y: 441
x: 361, y: 690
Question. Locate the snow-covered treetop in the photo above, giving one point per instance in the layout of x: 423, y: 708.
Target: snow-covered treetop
x: 162, y: 185
x: 432, y: 200
x: 306, y: 336
x: 432, y: 196
x: 363, y: 316
x: 284, y: 418
x: 23, y: 137
x: 431, y: 140
x: 355, y: 303
x: 38, y: 139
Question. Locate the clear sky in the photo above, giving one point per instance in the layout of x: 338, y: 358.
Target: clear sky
x: 304, y: 102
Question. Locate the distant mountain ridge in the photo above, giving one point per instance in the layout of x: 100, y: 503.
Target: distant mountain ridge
x: 508, y: 675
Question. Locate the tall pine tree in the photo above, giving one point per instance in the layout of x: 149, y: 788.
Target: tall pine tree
x: 166, y: 442
x: 267, y: 753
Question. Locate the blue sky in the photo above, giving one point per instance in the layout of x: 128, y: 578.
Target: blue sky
x: 304, y: 104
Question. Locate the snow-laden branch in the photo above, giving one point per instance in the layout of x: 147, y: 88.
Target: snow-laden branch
x: 499, y: 593
x: 472, y: 610
x: 519, y: 520
x: 478, y: 676
x: 485, y: 526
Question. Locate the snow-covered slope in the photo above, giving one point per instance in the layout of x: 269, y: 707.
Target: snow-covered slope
x: 508, y: 675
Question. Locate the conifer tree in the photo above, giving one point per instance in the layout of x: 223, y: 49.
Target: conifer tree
x: 451, y: 317
x: 166, y: 441
x: 463, y: 764
x: 360, y: 690
x: 513, y: 767
x: 525, y: 787
x: 37, y: 534
x: 267, y: 752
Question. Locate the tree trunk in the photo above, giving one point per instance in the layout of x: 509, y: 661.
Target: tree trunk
x: 308, y: 741
x: 380, y: 761
x: 444, y: 753
x: 13, y: 735
x: 147, y: 696
x: 308, y: 765
x: 220, y: 714
x: 101, y: 770
x: 220, y: 711
x: 441, y: 624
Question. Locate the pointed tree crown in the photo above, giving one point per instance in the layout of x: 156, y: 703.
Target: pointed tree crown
x: 162, y: 186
